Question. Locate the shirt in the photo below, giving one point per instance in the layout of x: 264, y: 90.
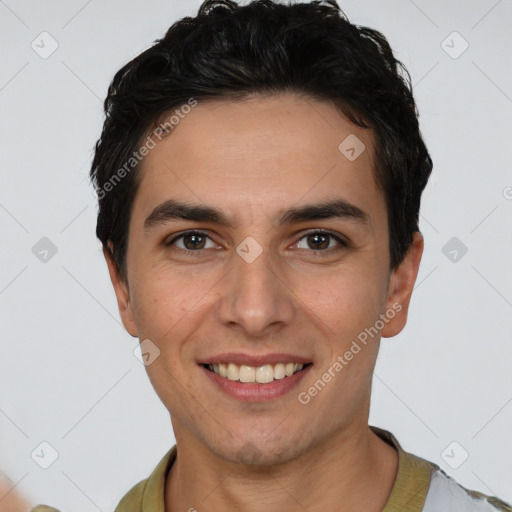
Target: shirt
x: 420, y: 486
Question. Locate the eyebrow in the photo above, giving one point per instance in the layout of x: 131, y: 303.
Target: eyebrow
x: 173, y: 210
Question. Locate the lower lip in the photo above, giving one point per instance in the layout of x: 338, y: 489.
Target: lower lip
x: 257, y: 392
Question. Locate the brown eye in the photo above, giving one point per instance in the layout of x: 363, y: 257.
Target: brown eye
x: 191, y: 241
x: 194, y: 241
x: 321, y: 240
x: 318, y: 241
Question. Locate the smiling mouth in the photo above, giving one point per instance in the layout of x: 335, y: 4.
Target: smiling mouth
x: 256, y: 375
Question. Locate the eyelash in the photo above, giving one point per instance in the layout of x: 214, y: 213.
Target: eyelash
x: 343, y: 243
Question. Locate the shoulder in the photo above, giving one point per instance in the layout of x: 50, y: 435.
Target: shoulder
x: 148, y: 494
x: 445, y: 493
x: 421, y: 485
x: 132, y: 500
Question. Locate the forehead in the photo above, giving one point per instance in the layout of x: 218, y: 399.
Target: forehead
x: 260, y: 154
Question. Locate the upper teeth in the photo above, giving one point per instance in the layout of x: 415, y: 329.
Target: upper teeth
x: 261, y: 374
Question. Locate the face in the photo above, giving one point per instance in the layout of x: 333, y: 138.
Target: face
x: 233, y: 261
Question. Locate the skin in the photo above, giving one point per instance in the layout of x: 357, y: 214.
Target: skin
x: 252, y: 159
x: 10, y: 499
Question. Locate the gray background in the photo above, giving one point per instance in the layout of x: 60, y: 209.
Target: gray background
x: 68, y: 375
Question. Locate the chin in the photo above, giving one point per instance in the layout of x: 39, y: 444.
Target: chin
x: 260, y: 452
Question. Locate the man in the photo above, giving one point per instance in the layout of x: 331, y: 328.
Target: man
x: 259, y: 177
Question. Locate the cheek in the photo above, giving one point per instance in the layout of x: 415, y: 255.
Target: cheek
x: 163, y: 299
x: 166, y: 313
x: 347, y: 302
x: 152, y: 310
x: 168, y: 310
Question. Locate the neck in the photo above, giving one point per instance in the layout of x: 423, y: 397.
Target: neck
x: 353, y: 467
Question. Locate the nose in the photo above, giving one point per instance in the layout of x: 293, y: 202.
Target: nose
x: 256, y: 299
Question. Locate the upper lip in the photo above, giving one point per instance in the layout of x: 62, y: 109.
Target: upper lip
x: 254, y: 359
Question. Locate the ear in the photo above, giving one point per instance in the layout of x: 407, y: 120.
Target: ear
x: 401, y: 284
x: 122, y: 293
